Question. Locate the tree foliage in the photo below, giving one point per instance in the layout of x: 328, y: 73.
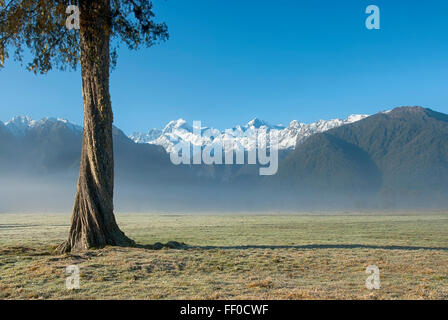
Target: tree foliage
x: 34, y: 31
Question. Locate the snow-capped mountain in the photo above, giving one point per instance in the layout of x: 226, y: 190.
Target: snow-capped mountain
x: 19, y: 126
x: 240, y: 136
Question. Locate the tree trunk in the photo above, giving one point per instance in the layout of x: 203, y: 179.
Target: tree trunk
x: 93, y: 223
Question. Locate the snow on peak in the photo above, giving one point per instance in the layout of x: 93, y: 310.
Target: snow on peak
x: 20, y: 120
x: 179, y: 124
x: 355, y: 117
x: 20, y: 125
x: 257, y: 123
x: 294, y: 124
x: 151, y: 135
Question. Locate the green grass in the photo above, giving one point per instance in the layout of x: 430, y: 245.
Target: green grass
x: 233, y: 257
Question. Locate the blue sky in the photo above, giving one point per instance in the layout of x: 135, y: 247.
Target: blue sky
x: 230, y: 61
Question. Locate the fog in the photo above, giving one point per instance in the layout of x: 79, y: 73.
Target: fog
x: 387, y: 162
x: 52, y: 194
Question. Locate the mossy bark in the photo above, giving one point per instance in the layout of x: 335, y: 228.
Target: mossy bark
x: 93, y: 222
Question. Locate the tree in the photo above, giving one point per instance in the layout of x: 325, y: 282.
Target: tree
x: 37, y: 29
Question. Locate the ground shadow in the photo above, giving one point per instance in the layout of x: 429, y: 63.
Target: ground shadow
x: 177, y: 245
x: 159, y: 245
x: 323, y: 246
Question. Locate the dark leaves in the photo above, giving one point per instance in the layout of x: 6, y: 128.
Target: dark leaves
x: 36, y: 28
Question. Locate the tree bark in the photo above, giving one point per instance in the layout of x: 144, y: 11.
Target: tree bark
x: 93, y: 222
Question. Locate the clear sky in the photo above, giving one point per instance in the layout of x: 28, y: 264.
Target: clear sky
x: 228, y: 61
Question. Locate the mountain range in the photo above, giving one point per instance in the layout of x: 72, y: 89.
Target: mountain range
x: 243, y: 135
x: 392, y: 159
x: 400, y: 156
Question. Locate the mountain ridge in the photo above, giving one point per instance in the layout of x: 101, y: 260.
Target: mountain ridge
x: 396, y: 158
x: 179, y: 130
x: 402, y: 153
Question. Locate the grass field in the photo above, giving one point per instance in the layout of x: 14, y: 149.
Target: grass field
x: 232, y: 257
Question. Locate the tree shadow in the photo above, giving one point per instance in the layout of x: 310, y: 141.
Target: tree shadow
x: 168, y: 245
x: 322, y: 246
x: 183, y: 246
